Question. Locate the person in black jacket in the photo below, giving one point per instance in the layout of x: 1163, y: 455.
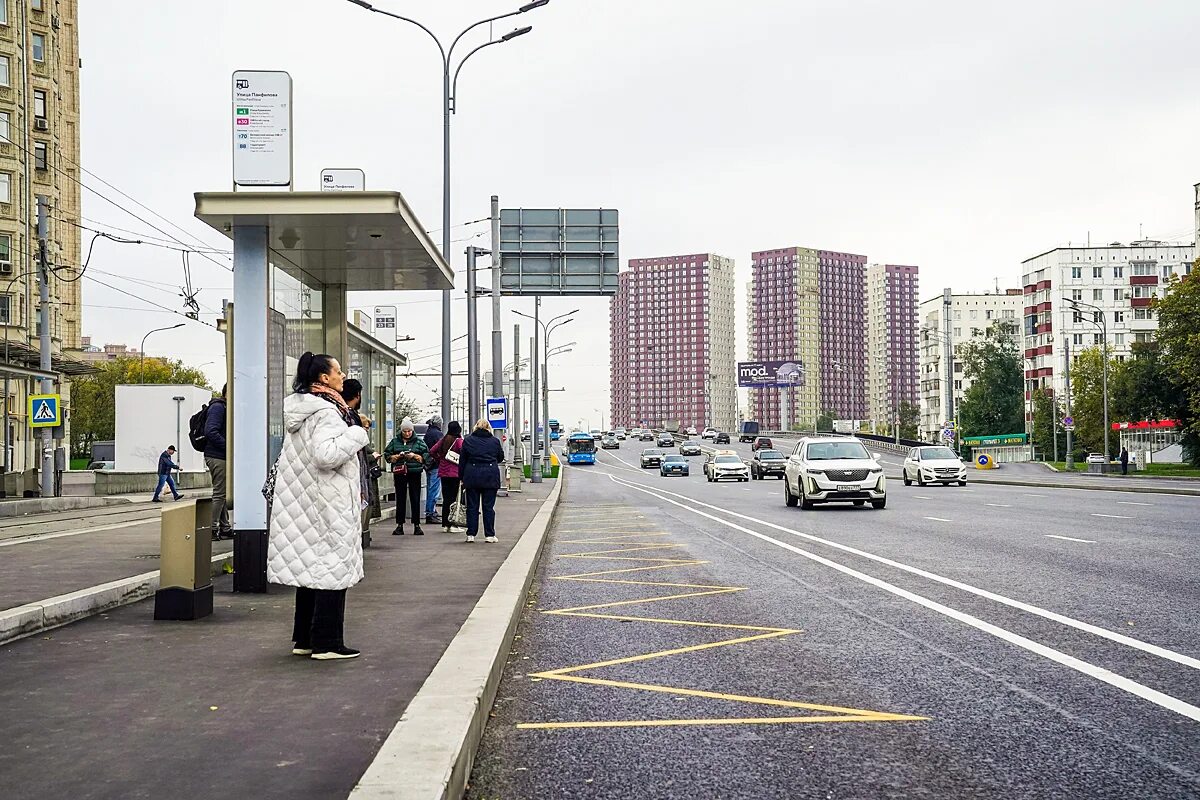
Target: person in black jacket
x: 433, y: 481
x: 482, y: 455
x: 214, y: 459
x: 166, y: 463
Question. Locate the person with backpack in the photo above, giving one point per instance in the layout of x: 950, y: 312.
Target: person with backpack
x: 433, y: 483
x: 206, y: 430
x: 448, y: 455
x: 407, y: 454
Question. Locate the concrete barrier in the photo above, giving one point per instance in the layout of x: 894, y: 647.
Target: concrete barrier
x: 101, y: 483
x: 49, y: 505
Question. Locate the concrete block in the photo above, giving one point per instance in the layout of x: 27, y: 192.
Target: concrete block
x: 20, y: 621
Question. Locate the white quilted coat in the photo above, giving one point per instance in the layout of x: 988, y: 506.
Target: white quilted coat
x: 316, y: 535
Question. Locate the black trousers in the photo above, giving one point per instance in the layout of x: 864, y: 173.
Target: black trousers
x: 410, y: 483
x: 488, y: 498
x: 449, y: 498
x: 320, y: 618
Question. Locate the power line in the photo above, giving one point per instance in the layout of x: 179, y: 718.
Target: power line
x: 151, y: 302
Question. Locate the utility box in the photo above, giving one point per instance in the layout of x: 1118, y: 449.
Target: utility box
x: 185, y: 578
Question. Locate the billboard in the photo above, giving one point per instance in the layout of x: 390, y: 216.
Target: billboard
x: 559, y: 251
x: 760, y: 374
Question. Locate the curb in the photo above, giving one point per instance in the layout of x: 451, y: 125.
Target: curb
x: 1034, y: 485
x: 430, y: 751
x: 54, y: 612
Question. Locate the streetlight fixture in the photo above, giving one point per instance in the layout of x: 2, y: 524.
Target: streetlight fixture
x: 1102, y: 325
x: 142, y: 357
x: 548, y: 328
x: 449, y: 107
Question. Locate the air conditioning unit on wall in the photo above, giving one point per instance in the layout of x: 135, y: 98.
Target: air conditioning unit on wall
x: 41, y: 124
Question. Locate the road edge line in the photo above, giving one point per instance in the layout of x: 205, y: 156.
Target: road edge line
x: 431, y: 749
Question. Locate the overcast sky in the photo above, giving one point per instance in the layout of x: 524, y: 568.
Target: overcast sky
x: 959, y: 137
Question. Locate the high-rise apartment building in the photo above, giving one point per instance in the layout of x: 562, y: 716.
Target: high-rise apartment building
x: 892, y: 361
x: 672, y: 351
x: 1073, y: 295
x: 806, y: 305
x: 967, y: 317
x: 39, y: 155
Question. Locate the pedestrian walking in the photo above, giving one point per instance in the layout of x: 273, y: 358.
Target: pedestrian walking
x: 482, y: 455
x: 166, y: 463
x: 433, y: 482
x: 214, y: 459
x: 368, y: 461
x: 407, y: 454
x: 315, y: 541
x: 447, y: 454
x: 1124, y: 461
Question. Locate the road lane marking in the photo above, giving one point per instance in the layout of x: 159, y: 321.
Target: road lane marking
x: 999, y: 505
x: 1032, y: 495
x: 1131, y: 503
x: 1111, y: 516
x: 1068, y: 538
x: 1084, y: 667
x: 939, y: 519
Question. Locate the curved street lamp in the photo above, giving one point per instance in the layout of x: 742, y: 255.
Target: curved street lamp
x: 142, y: 350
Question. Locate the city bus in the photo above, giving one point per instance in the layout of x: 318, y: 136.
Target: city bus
x: 581, y: 449
x: 555, y: 430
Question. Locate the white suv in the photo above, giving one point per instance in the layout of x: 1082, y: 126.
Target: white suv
x: 726, y: 464
x: 934, y: 464
x: 709, y: 433
x: 833, y: 470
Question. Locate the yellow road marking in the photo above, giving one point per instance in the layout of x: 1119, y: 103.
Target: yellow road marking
x: 871, y: 716
x: 583, y: 575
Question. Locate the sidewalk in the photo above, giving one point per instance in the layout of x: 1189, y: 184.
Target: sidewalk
x: 121, y: 706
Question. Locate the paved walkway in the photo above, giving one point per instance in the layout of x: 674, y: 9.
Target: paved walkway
x: 120, y: 706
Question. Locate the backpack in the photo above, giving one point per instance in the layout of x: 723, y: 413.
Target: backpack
x: 196, y: 428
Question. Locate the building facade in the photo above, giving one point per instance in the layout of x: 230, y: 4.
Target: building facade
x: 673, y: 348
x: 892, y: 359
x: 782, y: 325
x: 842, y: 334
x: 967, y: 317
x: 1073, y: 296
x: 39, y: 155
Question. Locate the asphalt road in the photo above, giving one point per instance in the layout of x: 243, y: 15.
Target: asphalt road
x: 687, y: 639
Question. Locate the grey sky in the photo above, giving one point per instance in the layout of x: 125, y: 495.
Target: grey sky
x: 932, y: 133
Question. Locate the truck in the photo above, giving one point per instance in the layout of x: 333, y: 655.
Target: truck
x: 748, y: 431
x: 845, y: 426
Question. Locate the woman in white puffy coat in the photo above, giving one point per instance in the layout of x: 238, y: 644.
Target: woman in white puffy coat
x: 316, y: 534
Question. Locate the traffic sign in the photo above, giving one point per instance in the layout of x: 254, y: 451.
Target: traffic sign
x: 948, y: 433
x: 497, y: 412
x: 45, y: 410
x: 1068, y: 422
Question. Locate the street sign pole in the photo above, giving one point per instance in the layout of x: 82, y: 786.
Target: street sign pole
x: 43, y: 228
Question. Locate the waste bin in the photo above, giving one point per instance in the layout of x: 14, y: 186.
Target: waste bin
x: 185, y: 562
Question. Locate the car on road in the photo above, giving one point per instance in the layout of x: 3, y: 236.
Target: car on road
x: 665, y: 440
x: 102, y: 465
x: 621, y: 433
x: 597, y: 434
x: 609, y: 442
x: 1096, y: 458
x: 720, y: 437
x: 647, y: 436
x: 726, y: 464
x: 689, y: 448
x: 937, y: 464
x: 761, y: 443
x: 748, y: 431
x: 708, y: 433
x: 767, y: 462
x: 673, y: 465
x: 690, y: 431
x: 833, y: 470
x: 651, y: 458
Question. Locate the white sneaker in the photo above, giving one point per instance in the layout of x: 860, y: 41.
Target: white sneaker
x: 302, y: 651
x: 470, y: 540
x: 491, y: 539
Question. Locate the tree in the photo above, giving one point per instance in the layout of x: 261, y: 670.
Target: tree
x: 1047, y: 410
x: 93, y: 397
x: 1144, y: 386
x: 406, y: 407
x: 825, y: 420
x: 1087, y: 400
x: 1178, y: 312
x: 995, y: 402
x: 910, y: 420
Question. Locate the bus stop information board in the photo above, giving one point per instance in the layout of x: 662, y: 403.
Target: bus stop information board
x: 262, y: 128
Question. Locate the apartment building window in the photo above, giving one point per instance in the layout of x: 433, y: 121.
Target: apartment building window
x: 5, y: 187
x: 1119, y: 272
x: 1097, y: 295
x: 5, y: 129
x: 4, y: 13
x: 1097, y: 272
x: 1077, y: 317
x: 1095, y: 338
x: 1118, y: 316
x: 1077, y: 338
x: 4, y: 71
x: 1076, y: 272
x: 36, y: 5
x: 39, y: 103
x: 5, y: 253
x: 1145, y: 291
x: 39, y: 155
x: 1119, y: 339
x: 1143, y: 269
x: 1143, y: 313
x: 1077, y: 294
x: 1118, y: 295
x: 38, y: 45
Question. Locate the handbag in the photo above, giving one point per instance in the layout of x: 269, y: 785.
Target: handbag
x: 452, y: 457
x: 458, y: 514
x: 400, y: 468
x: 268, y: 487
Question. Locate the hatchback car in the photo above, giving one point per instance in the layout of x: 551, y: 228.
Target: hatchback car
x: 673, y: 465
x: 665, y: 440
x: 720, y: 437
x: 767, y: 463
x: 689, y: 448
x: 934, y: 465
x: 726, y: 464
x: 833, y: 470
x: 651, y: 458
x: 761, y: 443
x: 609, y: 442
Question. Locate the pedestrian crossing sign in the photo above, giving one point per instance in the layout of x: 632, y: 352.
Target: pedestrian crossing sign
x: 45, y: 410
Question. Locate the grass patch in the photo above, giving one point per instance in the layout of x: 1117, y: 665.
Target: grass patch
x: 1151, y: 470
x: 79, y: 463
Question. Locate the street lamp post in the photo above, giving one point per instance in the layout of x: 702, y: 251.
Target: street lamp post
x: 547, y: 328
x: 142, y: 357
x: 449, y: 107
x: 1103, y: 326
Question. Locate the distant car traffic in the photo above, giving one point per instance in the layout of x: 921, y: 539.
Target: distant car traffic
x: 748, y: 431
x: 833, y: 470
x: 689, y: 448
x: 665, y: 440
x: 767, y: 462
x: 726, y: 464
x: 651, y: 458
x: 691, y: 432
x: 647, y: 435
x: 597, y: 433
x: 708, y: 433
x: 102, y: 465
x: 721, y: 438
x: 621, y: 433
x: 761, y: 443
x: 609, y: 442
x: 1096, y: 458
x: 934, y: 465
x: 673, y: 465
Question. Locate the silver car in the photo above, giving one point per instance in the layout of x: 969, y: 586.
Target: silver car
x: 833, y: 470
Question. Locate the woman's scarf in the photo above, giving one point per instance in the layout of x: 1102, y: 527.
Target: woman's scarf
x: 351, y: 418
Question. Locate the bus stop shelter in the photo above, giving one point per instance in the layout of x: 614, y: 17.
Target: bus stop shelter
x: 295, y: 257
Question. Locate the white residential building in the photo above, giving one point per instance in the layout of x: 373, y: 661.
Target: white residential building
x: 970, y: 315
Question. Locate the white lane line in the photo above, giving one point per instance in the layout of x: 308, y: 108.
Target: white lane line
x: 43, y: 537
x: 1068, y: 538
x: 1120, y: 638
x: 1091, y: 670
x: 939, y: 519
x: 1111, y: 516
x: 1032, y: 495
x: 922, y: 497
x: 999, y: 505
x: 1131, y: 503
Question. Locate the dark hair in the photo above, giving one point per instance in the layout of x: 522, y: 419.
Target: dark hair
x: 311, y: 367
x: 454, y: 428
x: 351, y: 389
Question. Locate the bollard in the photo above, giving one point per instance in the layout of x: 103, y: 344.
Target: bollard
x: 185, y: 572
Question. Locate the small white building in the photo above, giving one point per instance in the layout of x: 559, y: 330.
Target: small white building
x: 151, y: 417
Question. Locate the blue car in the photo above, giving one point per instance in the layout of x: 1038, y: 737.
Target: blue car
x: 673, y: 465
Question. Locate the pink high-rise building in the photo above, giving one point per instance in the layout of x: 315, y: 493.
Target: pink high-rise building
x: 891, y: 319
x: 671, y: 324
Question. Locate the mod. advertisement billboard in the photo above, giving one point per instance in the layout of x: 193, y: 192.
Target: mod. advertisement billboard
x: 759, y: 374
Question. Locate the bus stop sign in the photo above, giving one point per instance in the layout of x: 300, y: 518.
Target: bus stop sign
x: 497, y: 412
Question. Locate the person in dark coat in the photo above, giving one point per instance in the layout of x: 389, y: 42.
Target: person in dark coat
x: 407, y: 453
x: 166, y: 463
x: 368, y: 461
x: 214, y: 459
x: 433, y: 482
x: 482, y: 455
x: 1124, y: 461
